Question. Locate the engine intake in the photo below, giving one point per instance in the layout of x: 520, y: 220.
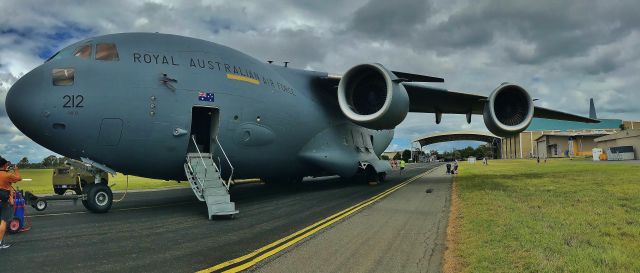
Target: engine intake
x: 508, y: 111
x: 369, y: 97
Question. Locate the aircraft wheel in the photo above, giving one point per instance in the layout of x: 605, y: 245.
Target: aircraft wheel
x: 14, y: 225
x: 367, y: 176
x: 99, y: 198
x: 382, y: 177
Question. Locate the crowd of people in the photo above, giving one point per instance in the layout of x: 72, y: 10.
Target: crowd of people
x: 398, y: 164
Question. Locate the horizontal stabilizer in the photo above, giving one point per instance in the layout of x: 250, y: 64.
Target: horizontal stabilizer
x: 416, y: 78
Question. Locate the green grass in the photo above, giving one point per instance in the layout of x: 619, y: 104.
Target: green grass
x: 41, y: 183
x: 562, y: 216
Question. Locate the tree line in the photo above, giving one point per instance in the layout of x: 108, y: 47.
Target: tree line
x: 47, y: 163
x: 481, y: 151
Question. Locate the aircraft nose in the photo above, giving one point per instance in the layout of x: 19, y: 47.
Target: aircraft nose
x: 22, y: 104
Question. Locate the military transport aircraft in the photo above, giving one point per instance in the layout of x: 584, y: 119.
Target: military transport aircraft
x: 172, y: 107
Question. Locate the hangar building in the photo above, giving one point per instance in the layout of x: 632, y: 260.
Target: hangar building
x: 556, y: 138
x: 624, y: 138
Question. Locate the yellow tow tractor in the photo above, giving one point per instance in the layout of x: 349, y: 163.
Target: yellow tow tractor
x: 74, y: 176
x: 78, y: 181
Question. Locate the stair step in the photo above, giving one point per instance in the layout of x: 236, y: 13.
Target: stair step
x: 215, y: 191
x: 222, y: 209
x: 217, y: 199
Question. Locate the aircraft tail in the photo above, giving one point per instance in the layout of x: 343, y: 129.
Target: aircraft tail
x: 592, y: 110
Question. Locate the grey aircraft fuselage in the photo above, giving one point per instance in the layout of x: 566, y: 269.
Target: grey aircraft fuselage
x: 134, y: 114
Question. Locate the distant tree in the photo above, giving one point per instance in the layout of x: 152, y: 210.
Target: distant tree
x: 456, y: 154
x: 397, y: 156
x: 50, y: 161
x: 23, y: 163
x: 483, y: 151
x: 384, y: 157
x: 406, y: 155
x: 467, y: 152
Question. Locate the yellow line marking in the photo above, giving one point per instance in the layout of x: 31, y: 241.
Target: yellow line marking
x: 306, y: 232
x: 242, y: 78
x: 257, y: 251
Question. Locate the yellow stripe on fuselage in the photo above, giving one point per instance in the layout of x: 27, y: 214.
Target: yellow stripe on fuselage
x: 242, y: 78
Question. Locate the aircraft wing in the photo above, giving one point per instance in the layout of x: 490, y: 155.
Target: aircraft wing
x: 427, y: 99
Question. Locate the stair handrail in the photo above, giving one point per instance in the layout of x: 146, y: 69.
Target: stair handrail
x: 194, y: 177
x: 228, y: 161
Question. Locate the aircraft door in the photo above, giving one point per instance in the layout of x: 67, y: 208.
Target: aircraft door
x: 204, y: 127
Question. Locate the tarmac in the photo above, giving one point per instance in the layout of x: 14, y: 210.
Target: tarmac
x: 168, y: 231
x: 404, y: 232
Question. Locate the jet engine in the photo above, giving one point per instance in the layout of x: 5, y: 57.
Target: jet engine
x: 508, y: 110
x: 369, y: 96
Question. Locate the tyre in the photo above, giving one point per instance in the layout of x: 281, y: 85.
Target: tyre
x: 99, y: 198
x: 382, y: 177
x: 14, y: 226
x: 40, y: 205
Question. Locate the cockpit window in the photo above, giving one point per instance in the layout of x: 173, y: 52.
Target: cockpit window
x: 83, y: 52
x: 106, y: 52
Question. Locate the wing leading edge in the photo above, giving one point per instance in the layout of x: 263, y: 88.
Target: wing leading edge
x: 427, y: 99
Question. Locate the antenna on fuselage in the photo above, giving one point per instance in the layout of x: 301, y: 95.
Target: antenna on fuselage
x: 270, y: 61
x: 286, y: 63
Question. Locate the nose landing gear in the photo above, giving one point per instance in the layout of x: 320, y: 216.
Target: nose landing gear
x: 99, y: 198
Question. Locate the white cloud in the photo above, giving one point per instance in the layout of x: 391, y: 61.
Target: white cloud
x: 18, y: 138
x: 557, y: 50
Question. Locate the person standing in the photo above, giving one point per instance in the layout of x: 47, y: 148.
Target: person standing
x: 455, y: 167
x: 9, y: 174
x: 402, y: 165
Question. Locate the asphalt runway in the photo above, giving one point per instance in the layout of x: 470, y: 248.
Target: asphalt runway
x: 168, y: 231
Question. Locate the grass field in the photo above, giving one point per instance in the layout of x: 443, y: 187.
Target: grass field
x: 41, y: 183
x: 562, y: 216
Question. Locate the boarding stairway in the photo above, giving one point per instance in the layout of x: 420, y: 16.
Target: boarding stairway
x: 207, y: 184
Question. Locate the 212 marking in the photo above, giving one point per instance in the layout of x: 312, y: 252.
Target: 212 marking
x: 73, y: 101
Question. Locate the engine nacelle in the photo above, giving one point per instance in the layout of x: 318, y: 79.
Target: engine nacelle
x: 369, y: 97
x: 508, y: 111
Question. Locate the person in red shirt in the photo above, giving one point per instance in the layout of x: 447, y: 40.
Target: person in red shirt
x: 9, y: 174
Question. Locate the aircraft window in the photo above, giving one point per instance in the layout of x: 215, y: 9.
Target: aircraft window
x: 106, y: 52
x: 83, y: 52
x: 63, y: 76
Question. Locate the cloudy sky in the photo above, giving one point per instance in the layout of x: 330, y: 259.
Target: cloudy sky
x: 563, y: 52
